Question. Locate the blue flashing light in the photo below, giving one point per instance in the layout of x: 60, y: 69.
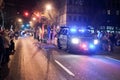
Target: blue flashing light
x: 92, y: 46
x: 81, y: 30
x: 73, y: 29
x: 23, y: 25
x: 27, y: 25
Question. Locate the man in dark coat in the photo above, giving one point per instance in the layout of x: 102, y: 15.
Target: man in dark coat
x: 2, y: 49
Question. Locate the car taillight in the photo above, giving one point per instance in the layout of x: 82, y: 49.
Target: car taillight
x: 84, y: 46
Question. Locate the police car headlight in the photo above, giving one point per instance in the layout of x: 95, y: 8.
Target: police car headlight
x: 75, y: 40
x: 96, y: 41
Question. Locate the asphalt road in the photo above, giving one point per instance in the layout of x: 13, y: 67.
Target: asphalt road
x: 36, y: 61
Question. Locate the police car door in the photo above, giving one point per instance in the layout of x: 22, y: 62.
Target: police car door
x: 63, y: 38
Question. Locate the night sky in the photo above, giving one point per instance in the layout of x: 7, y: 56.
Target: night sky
x: 22, y: 4
x: 27, y: 4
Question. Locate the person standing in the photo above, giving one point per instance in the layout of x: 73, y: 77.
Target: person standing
x: 2, y: 49
x: 6, y: 46
x: 12, y: 46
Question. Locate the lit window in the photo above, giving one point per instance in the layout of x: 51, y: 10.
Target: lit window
x: 81, y: 2
x: 74, y: 18
x: 70, y: 18
x: 108, y: 12
x: 117, y: 12
x: 79, y: 18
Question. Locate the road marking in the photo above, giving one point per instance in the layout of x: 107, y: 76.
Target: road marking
x: 113, y: 59
x: 67, y: 70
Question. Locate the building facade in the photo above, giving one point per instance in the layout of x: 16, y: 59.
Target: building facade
x: 71, y: 13
x: 98, y: 14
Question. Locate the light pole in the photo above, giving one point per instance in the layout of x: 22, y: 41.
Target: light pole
x: 34, y: 19
x: 20, y: 20
x: 18, y: 23
x: 48, y: 10
x: 48, y: 7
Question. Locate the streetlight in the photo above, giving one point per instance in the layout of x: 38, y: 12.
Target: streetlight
x: 18, y: 23
x: 19, y: 20
x: 48, y: 10
x: 34, y: 19
x: 48, y: 7
x: 26, y: 14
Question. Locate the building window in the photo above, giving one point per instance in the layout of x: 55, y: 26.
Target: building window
x: 80, y: 2
x: 79, y: 18
x: 77, y: 10
x: 75, y: 18
x: 117, y: 12
x: 68, y: 9
x: 75, y: 2
x: 108, y: 12
x: 70, y: 2
x: 72, y: 10
x: 70, y: 18
x: 104, y: 11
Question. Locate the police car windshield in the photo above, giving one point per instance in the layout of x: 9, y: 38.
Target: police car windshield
x: 82, y: 34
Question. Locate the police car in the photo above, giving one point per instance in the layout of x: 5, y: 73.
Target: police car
x: 76, y: 39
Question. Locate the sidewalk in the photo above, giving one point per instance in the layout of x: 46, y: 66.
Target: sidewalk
x: 116, y: 53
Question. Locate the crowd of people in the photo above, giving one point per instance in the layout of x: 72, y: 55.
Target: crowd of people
x: 6, y: 45
x: 109, y: 40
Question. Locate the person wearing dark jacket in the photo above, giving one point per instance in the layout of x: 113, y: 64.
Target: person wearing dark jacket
x: 2, y: 49
x: 6, y: 46
x: 12, y: 46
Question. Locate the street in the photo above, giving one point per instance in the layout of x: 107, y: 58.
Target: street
x: 37, y: 61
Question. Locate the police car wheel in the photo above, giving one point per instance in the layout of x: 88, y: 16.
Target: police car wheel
x: 59, y: 46
x: 68, y: 48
